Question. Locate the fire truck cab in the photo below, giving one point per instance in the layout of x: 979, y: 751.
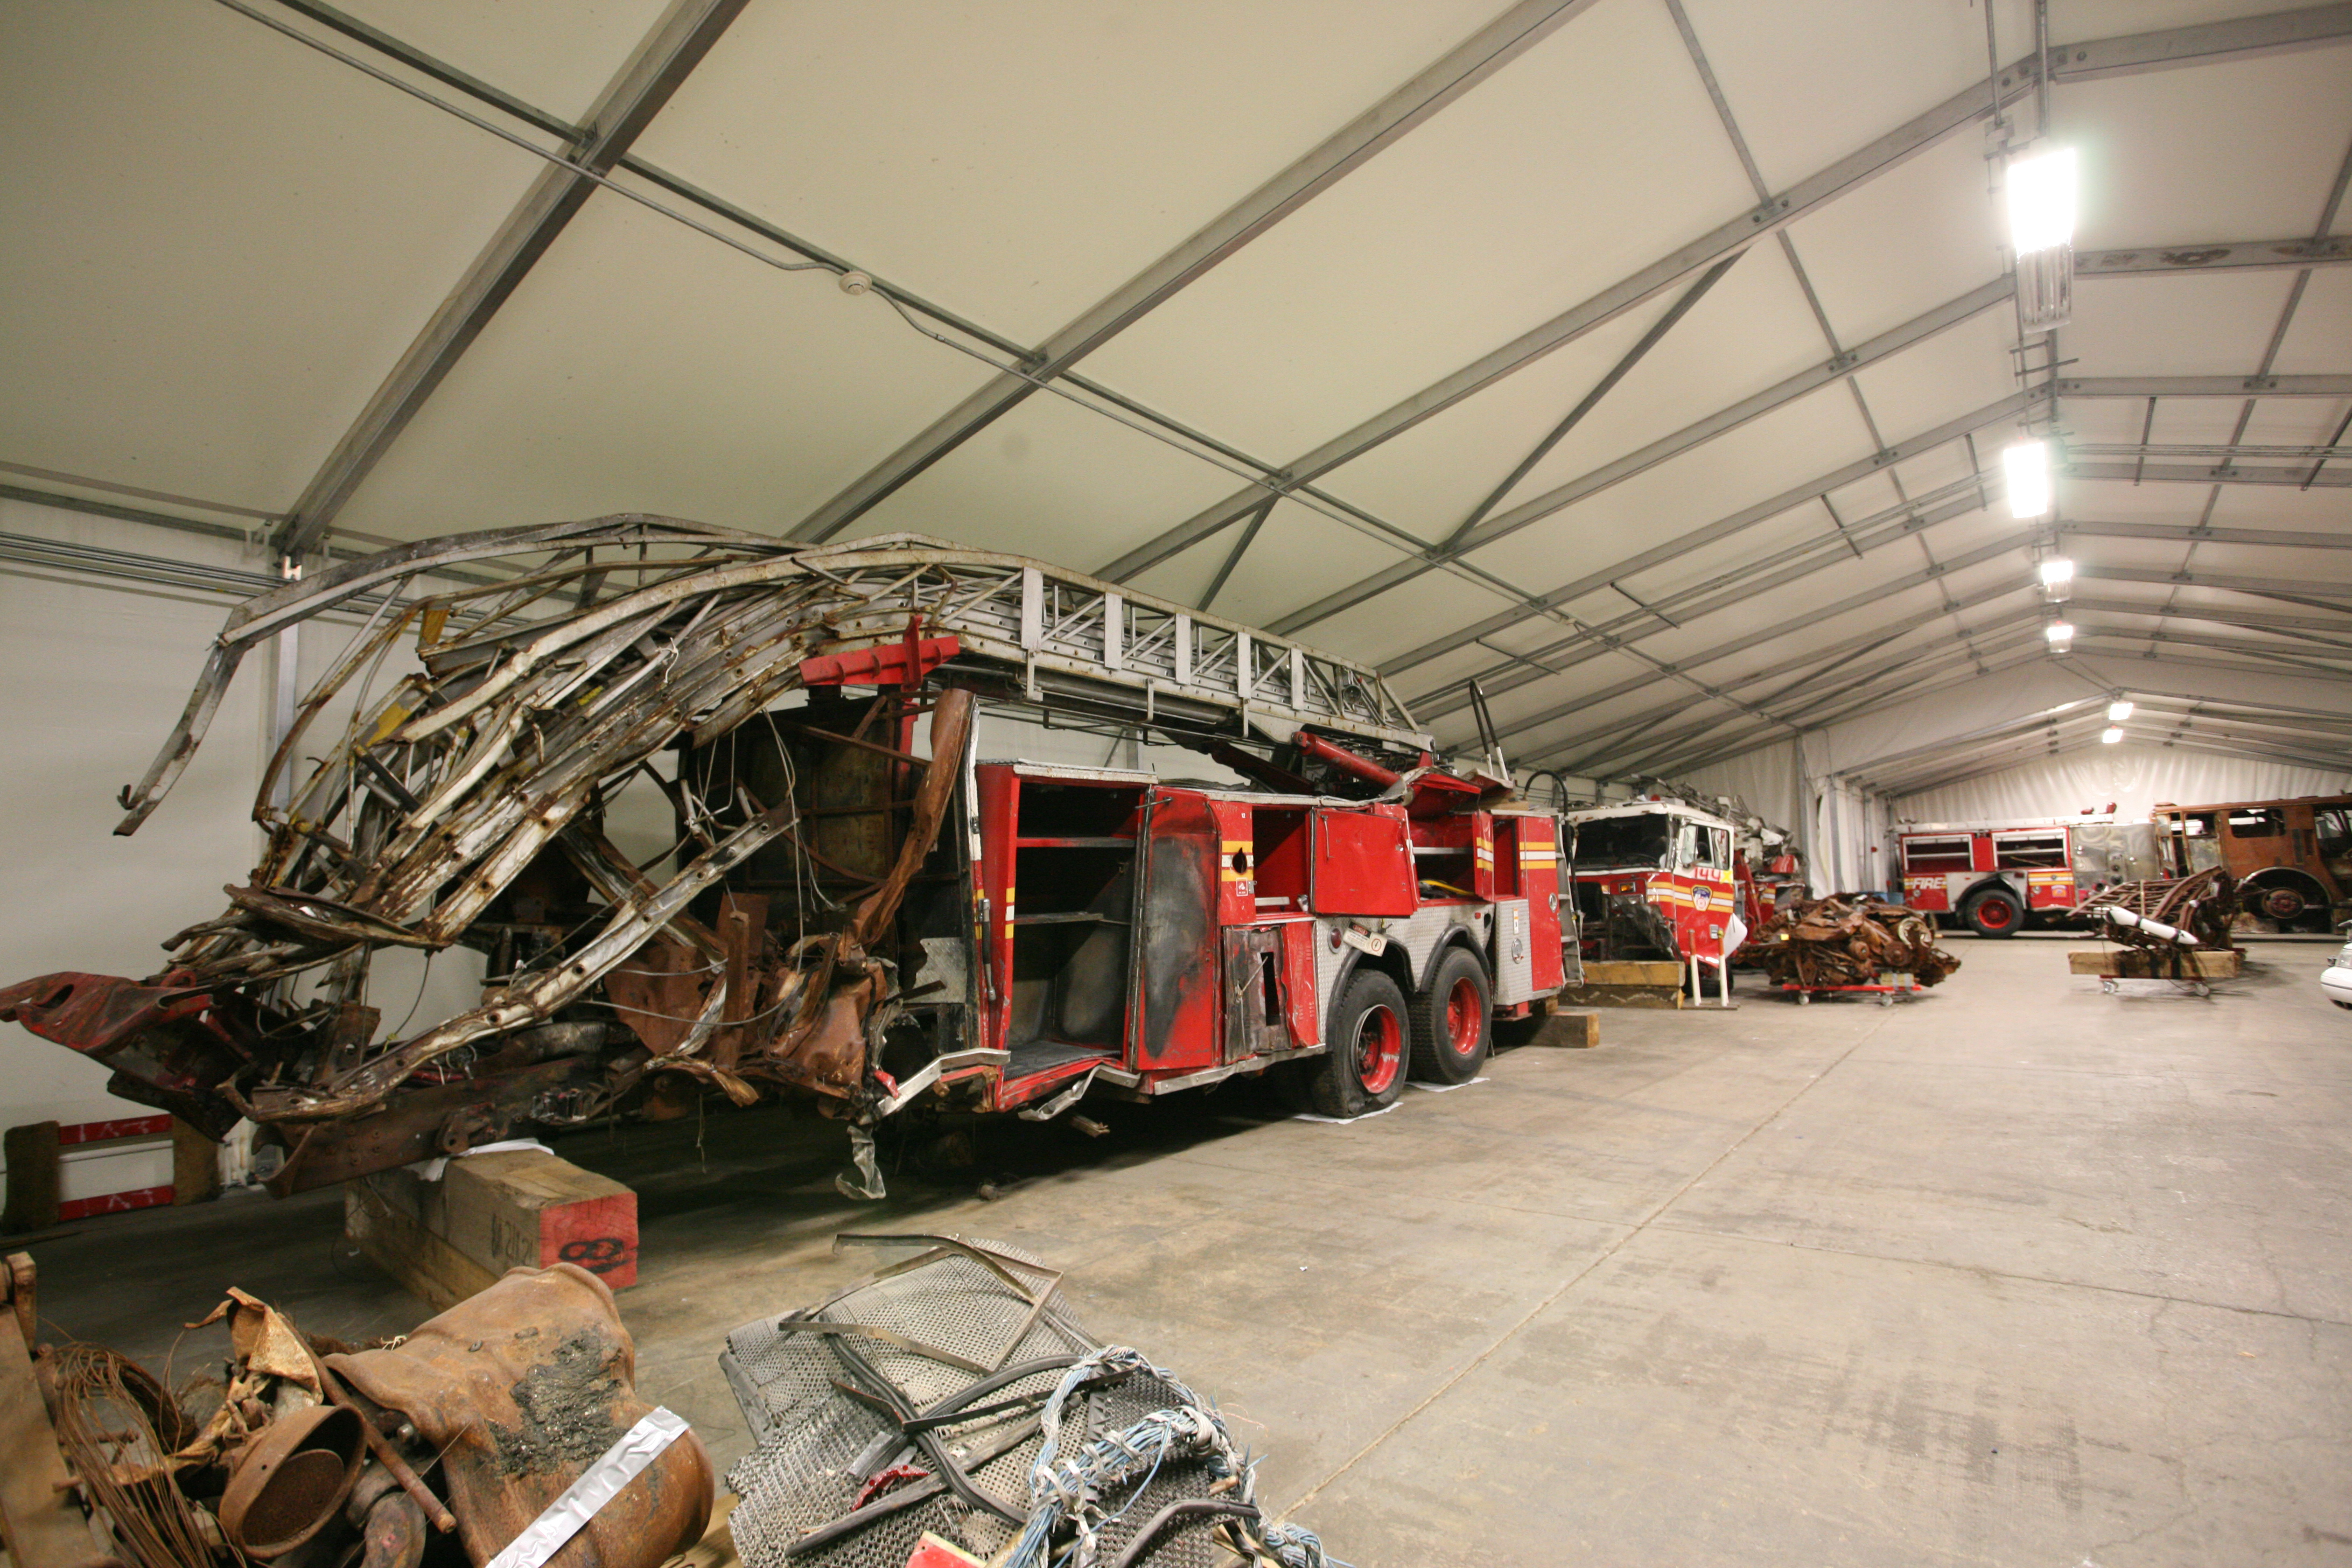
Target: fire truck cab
x: 1657, y: 879
x: 1991, y: 877
x: 1159, y: 936
x: 2292, y: 858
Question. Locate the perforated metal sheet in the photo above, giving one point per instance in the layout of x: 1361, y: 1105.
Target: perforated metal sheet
x: 816, y: 1446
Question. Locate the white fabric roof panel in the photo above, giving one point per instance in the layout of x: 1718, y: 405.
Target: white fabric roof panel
x: 218, y: 242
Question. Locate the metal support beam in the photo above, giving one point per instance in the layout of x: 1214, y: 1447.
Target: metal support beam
x: 1486, y: 51
x: 2300, y: 588
x: 1744, y: 585
x: 2205, y: 386
x: 2190, y: 533
x: 2161, y: 50
x: 1910, y: 683
x: 1633, y: 356
x: 1723, y: 421
x: 1499, y: 680
x: 1809, y: 669
x: 2215, y: 256
x: 1646, y: 723
x: 2008, y: 408
x: 1240, y: 548
x: 619, y: 116
x: 2203, y: 474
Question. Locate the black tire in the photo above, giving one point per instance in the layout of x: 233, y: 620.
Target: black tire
x: 1363, y: 1067
x: 1994, y: 912
x: 1452, y: 1019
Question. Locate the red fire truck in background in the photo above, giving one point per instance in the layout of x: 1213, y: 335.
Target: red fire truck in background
x: 1994, y: 878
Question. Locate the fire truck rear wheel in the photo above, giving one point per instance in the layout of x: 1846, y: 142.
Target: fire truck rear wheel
x: 1994, y: 912
x: 1364, y: 1069
x: 1453, y: 1020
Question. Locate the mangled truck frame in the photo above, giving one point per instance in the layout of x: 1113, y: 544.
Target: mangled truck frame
x: 841, y: 916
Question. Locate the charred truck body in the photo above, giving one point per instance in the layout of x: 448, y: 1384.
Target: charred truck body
x: 1659, y: 879
x: 2291, y: 859
x: 857, y: 908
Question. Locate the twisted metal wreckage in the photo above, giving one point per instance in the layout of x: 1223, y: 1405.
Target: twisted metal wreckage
x: 811, y: 918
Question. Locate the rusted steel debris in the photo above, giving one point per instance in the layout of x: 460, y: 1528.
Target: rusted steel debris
x: 473, y: 1424
x: 1848, y: 939
x: 2157, y: 912
x: 468, y: 805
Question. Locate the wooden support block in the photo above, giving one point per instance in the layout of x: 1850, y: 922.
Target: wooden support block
x: 2132, y: 964
x: 32, y: 1153
x: 1578, y: 1031
x: 195, y: 1165
x: 529, y: 1208
x: 1635, y: 972
x: 1668, y: 995
x: 381, y: 1225
x: 445, y: 1240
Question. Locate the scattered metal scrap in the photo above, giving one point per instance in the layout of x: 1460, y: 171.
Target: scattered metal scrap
x: 1853, y: 942
x: 479, y: 1424
x: 948, y: 1410
x: 2166, y: 917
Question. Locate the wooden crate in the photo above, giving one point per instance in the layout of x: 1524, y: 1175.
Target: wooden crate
x: 445, y: 1240
x: 2130, y: 964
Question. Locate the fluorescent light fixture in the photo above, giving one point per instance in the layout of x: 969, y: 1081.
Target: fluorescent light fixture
x: 2119, y: 710
x: 2111, y: 734
x: 2025, y: 470
x: 2059, y: 633
x: 2057, y: 569
x: 2042, y: 232
x: 2041, y: 202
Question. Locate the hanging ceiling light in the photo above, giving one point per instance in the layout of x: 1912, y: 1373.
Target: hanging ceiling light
x: 2057, y: 574
x: 2025, y: 471
x: 2119, y: 710
x: 2060, y: 634
x: 2111, y: 734
x: 2041, y: 192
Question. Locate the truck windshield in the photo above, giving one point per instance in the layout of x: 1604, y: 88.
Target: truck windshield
x: 1624, y: 841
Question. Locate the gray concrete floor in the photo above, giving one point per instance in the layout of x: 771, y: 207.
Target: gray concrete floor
x: 2014, y: 1273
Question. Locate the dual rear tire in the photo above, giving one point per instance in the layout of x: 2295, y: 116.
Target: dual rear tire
x: 1442, y: 1037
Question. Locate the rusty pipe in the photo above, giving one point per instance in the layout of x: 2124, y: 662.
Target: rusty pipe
x: 1339, y: 757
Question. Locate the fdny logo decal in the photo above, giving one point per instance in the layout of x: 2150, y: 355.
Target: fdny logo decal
x: 1699, y: 897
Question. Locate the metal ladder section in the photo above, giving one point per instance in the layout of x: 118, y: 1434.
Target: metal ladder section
x: 1044, y: 619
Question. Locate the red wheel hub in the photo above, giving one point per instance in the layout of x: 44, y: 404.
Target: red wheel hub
x: 2282, y: 904
x: 1379, y: 1050
x: 1463, y: 1022
x: 1997, y: 914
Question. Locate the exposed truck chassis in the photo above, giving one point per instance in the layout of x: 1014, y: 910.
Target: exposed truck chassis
x: 834, y: 919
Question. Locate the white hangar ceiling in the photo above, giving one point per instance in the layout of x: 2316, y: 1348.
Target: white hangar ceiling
x: 1645, y: 360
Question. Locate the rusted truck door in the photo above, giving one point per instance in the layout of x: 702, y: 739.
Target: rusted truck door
x: 1175, y: 997
x: 1254, y: 984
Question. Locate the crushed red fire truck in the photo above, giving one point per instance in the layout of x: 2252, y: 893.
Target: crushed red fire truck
x: 1659, y: 878
x: 837, y: 916
x: 1992, y: 876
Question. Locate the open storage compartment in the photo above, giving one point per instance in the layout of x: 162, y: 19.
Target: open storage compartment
x: 1074, y: 874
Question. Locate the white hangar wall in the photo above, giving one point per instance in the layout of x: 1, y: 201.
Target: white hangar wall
x: 2132, y: 777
